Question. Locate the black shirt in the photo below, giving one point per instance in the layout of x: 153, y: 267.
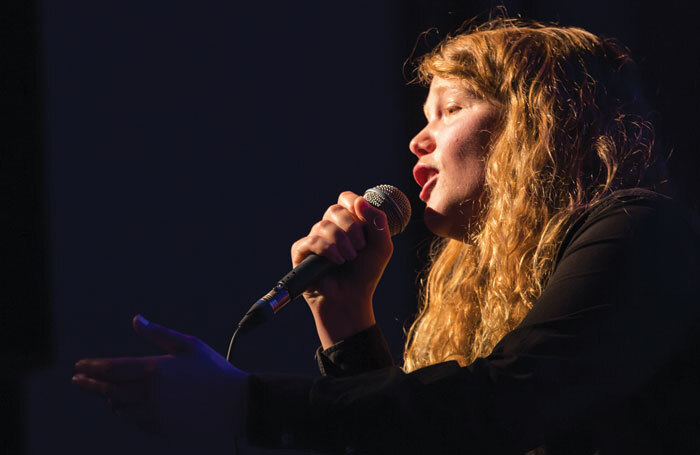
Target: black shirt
x: 606, y: 362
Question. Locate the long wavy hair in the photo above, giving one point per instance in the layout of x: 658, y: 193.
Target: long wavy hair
x: 572, y: 131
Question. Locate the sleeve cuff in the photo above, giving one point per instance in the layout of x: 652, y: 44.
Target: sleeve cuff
x: 364, y: 351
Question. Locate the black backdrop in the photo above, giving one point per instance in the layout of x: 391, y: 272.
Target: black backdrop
x: 160, y: 158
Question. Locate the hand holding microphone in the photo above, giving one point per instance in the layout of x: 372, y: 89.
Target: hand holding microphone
x: 339, y: 264
x: 355, y: 236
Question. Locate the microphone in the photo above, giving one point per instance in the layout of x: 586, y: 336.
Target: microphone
x: 386, y: 198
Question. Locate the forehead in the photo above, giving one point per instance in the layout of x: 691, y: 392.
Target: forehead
x: 440, y: 84
x: 443, y: 87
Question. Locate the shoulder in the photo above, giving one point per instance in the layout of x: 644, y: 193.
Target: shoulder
x: 634, y: 199
x: 641, y: 219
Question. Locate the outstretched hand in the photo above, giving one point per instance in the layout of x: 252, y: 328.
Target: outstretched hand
x: 190, y: 391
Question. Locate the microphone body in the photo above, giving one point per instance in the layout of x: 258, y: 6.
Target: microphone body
x: 387, y: 198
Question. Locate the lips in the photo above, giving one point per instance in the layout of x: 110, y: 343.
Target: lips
x: 422, y: 173
x: 426, y: 177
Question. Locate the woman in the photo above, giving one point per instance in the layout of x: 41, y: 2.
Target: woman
x: 559, y: 313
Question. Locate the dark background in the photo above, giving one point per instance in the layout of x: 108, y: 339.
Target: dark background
x: 161, y: 157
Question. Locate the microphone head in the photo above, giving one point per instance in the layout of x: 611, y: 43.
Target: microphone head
x: 393, y: 203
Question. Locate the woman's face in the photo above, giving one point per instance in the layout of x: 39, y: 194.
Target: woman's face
x: 451, y: 150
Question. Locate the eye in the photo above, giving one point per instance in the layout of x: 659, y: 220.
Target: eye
x: 452, y: 109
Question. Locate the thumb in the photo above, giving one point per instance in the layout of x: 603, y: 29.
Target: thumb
x: 378, y: 232
x: 169, y: 340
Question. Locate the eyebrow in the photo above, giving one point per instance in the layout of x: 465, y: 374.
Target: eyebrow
x: 467, y: 92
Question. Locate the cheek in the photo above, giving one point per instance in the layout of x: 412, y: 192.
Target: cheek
x: 468, y: 172
x: 468, y: 165
x: 464, y: 145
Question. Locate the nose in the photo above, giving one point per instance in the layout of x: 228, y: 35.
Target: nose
x: 422, y: 143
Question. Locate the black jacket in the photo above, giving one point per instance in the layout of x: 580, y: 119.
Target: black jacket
x: 606, y: 362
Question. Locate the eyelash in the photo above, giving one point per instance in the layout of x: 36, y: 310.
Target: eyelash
x: 452, y: 109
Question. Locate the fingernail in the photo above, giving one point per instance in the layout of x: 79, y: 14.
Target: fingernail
x: 143, y: 321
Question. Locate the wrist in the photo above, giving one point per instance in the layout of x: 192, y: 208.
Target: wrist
x: 335, y: 326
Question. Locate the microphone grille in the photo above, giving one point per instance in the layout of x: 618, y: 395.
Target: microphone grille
x: 393, y: 203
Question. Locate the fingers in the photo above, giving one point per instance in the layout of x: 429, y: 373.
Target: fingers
x: 119, y: 369
x: 118, y: 395
x: 346, y: 228
x: 317, y: 245
x: 167, y: 339
x: 330, y: 240
x: 334, y: 234
x: 347, y: 199
x: 378, y: 233
x: 338, y: 236
x: 348, y: 222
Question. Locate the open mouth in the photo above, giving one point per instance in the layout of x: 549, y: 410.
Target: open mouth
x: 428, y: 187
x: 422, y: 173
x: 425, y: 177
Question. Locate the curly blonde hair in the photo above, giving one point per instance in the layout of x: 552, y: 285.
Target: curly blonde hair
x: 572, y: 131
